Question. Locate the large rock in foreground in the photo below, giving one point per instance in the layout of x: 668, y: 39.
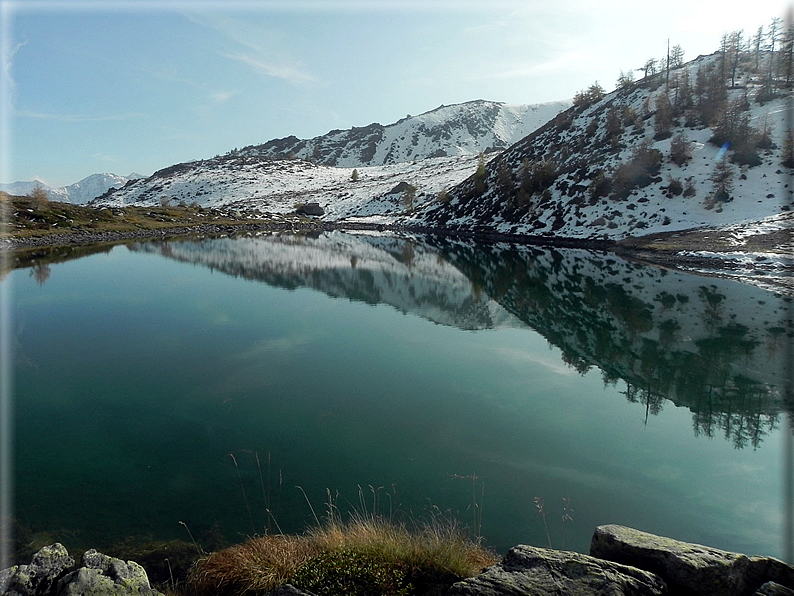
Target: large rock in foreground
x: 529, y: 571
x: 101, y: 575
x: 52, y: 572
x: 689, y: 569
x: 39, y: 577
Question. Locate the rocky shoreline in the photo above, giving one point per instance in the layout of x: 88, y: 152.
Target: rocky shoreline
x: 779, y: 276
x: 622, y: 562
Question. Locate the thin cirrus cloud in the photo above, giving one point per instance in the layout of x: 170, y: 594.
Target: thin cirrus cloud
x: 78, y: 117
x: 563, y: 63
x: 255, y: 42
x: 7, y: 64
x: 287, y: 72
x: 105, y: 157
x: 223, y: 96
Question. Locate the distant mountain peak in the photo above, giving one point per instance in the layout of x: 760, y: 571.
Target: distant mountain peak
x: 79, y: 193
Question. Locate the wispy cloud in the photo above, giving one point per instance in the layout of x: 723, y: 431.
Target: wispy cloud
x: 105, y: 157
x: 264, y: 49
x: 569, y: 60
x: 178, y: 134
x: 287, y: 72
x: 8, y: 54
x: 167, y: 73
x: 220, y: 97
x: 78, y: 117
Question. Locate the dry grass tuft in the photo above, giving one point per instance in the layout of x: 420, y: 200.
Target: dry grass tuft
x: 439, y: 544
x: 432, y: 552
x: 256, y: 566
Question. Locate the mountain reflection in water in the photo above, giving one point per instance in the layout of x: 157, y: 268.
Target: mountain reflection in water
x: 140, y: 369
x: 713, y: 346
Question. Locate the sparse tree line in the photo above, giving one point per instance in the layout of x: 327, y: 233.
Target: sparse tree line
x: 718, y: 95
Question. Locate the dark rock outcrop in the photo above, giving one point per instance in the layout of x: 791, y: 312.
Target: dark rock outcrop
x: 626, y: 561
x: 531, y: 571
x: 311, y: 209
x: 689, y: 569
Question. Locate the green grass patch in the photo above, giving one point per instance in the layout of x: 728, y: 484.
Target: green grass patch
x: 25, y: 217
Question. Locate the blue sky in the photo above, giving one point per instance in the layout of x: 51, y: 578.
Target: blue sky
x: 123, y: 86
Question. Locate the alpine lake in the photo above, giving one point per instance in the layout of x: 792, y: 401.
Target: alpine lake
x: 220, y: 388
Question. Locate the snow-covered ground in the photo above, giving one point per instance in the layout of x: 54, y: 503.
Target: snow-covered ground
x: 278, y: 186
x: 759, y: 192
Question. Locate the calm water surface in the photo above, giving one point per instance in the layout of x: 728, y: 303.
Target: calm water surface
x: 202, y: 382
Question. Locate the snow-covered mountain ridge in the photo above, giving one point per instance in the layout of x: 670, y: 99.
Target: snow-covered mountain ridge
x: 432, y: 151
x: 458, y: 130
x: 78, y: 193
x: 700, y: 150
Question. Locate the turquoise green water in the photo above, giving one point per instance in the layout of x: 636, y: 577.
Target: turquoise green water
x: 411, y: 377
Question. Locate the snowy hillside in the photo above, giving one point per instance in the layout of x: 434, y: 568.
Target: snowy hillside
x: 279, y: 186
x: 640, y: 160
x: 78, y: 193
x: 704, y: 150
x: 459, y: 130
x: 274, y: 177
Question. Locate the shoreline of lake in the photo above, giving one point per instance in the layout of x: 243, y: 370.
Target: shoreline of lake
x: 670, y: 250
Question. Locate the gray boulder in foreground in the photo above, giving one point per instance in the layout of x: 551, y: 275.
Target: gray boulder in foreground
x: 690, y: 569
x: 52, y: 573
x: 39, y: 577
x: 530, y: 571
x: 103, y: 575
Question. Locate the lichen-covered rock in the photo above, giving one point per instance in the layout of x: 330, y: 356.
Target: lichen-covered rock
x: 687, y: 568
x: 531, y: 571
x: 44, y: 570
x: 773, y: 589
x: 101, y: 575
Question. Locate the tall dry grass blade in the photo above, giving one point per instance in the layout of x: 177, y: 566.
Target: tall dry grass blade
x: 245, y: 497
x: 198, y: 548
x: 316, y: 519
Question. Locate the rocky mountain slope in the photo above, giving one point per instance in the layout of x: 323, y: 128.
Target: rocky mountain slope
x: 78, y: 193
x: 431, y: 151
x: 458, y: 130
x: 649, y: 157
x: 708, y: 146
